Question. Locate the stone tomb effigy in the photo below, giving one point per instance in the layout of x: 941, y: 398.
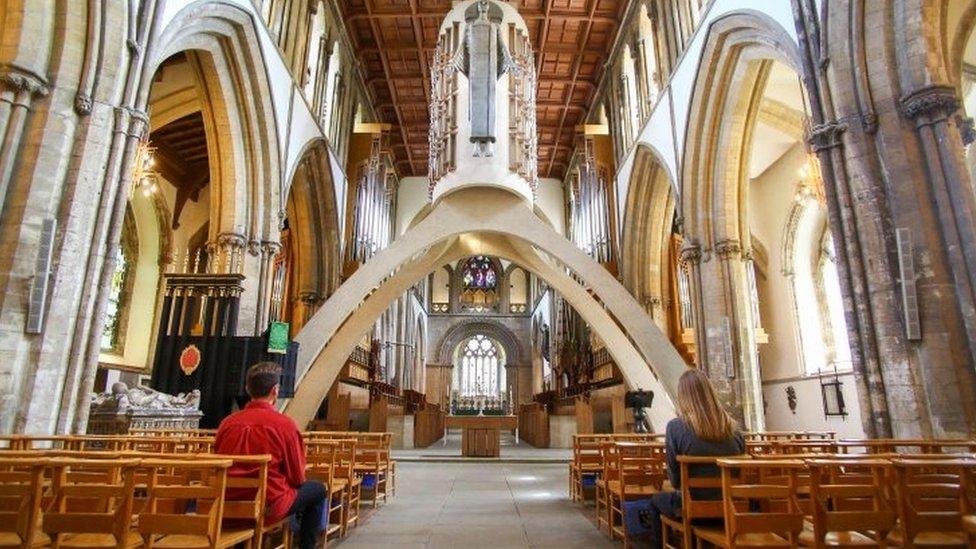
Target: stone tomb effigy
x: 123, y: 409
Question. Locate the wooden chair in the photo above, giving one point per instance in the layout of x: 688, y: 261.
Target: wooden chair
x: 695, y: 503
x: 608, y: 457
x: 91, y: 503
x: 849, y: 504
x: 640, y: 474
x: 345, y: 473
x: 757, y: 514
x: 246, y: 499
x: 176, y: 491
x: 932, y: 498
x: 320, y: 459
x: 586, y: 462
x: 371, y: 461
x: 21, y: 489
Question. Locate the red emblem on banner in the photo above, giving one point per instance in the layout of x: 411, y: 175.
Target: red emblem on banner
x: 190, y: 359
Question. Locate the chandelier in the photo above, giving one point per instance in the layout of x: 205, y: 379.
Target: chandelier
x: 144, y: 177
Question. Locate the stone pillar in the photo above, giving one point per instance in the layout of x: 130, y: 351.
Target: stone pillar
x: 951, y: 193
x: 267, y: 252
x: 18, y: 88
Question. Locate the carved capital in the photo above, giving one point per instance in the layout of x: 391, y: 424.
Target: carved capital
x: 22, y: 81
x: 310, y: 299
x: 231, y: 240
x: 691, y: 255
x: 138, y: 122
x: 826, y: 135
x: 728, y: 248
x: 936, y: 101
x: 967, y: 129
x: 270, y: 249
x: 254, y: 248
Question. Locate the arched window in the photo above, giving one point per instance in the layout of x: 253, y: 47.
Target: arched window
x: 120, y: 289
x: 480, y: 368
x: 479, y: 279
x: 818, y: 303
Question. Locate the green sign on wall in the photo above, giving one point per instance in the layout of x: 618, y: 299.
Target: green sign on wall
x: 278, y: 338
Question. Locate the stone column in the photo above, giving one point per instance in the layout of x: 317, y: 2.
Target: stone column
x: 18, y: 88
x: 691, y: 256
x: 951, y: 193
x: 267, y: 251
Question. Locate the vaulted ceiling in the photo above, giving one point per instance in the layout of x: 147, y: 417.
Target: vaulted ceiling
x: 395, y: 41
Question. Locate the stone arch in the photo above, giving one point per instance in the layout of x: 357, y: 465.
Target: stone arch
x: 457, y: 227
x: 735, y: 62
x: 311, y: 200
x: 238, y: 113
x: 514, y: 351
x: 954, y: 43
x: 647, y: 226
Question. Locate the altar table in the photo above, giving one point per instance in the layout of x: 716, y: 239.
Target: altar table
x: 480, y: 434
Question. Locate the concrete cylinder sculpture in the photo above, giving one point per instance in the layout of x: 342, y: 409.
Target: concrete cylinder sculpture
x: 482, y: 109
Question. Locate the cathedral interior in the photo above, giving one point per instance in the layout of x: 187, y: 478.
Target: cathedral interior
x: 432, y: 212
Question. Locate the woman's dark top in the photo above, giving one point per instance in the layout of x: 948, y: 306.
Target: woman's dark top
x: 680, y: 440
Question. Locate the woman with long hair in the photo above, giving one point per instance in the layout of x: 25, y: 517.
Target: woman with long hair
x: 702, y: 428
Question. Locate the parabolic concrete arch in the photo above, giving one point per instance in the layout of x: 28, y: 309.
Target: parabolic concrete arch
x: 457, y: 226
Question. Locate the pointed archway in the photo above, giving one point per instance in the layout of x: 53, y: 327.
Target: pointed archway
x: 458, y: 226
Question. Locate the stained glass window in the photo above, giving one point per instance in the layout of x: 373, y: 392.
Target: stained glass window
x: 479, y: 280
x: 479, y: 272
x: 482, y: 374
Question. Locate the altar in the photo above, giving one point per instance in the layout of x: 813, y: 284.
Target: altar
x: 480, y: 434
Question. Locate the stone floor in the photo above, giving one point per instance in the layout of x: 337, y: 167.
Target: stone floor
x: 479, y: 505
x: 450, y: 446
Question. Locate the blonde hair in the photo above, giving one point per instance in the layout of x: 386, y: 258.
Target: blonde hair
x: 699, y: 408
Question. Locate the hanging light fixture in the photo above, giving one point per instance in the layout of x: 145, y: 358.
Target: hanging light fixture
x: 144, y: 176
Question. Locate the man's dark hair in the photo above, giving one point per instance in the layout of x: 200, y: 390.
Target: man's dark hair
x: 261, y: 378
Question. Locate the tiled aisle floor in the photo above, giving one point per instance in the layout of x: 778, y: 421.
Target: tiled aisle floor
x: 450, y: 446
x: 479, y: 505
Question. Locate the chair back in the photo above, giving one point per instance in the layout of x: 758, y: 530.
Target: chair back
x: 640, y: 467
x: 21, y: 489
x: 247, y: 484
x: 755, y: 507
x: 176, y: 491
x: 91, y: 496
x: 320, y: 458
x: 692, y: 485
x: 933, y: 495
x: 848, y: 496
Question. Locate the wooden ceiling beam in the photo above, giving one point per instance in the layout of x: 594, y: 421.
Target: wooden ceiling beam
x: 577, y: 62
x: 386, y: 71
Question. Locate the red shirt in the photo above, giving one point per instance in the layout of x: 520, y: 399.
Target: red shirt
x: 260, y: 429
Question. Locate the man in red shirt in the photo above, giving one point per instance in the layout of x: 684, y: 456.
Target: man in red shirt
x: 260, y: 429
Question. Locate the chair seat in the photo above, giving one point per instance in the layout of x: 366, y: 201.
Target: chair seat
x: 10, y: 539
x: 969, y: 523
x: 132, y: 539
x: 716, y: 537
x: 931, y: 539
x: 632, y: 491
x: 228, y: 538
x: 838, y: 539
x: 673, y: 522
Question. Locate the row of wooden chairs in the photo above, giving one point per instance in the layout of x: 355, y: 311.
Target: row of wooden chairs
x: 827, y: 501
x: 373, y: 460
x: 92, y: 500
x: 587, y: 460
x: 112, y: 443
x: 629, y: 471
